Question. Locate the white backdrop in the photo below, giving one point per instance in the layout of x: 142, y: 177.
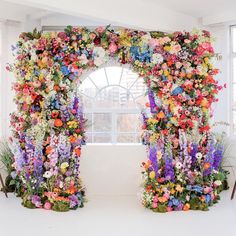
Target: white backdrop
x: 112, y: 169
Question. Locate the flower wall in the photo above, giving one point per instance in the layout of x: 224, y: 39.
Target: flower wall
x: 183, y: 168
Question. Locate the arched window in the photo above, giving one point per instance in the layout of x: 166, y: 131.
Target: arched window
x: 112, y: 98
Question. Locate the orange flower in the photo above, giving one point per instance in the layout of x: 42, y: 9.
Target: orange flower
x: 162, y: 199
x: 49, y: 150
x: 161, y: 115
x: 72, y: 189
x: 56, y: 88
x: 206, y: 166
x: 78, y: 152
x: 58, y: 123
x: 62, y: 199
x: 147, y: 104
x: 72, y: 139
x: 186, y: 207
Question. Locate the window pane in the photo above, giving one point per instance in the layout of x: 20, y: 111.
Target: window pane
x: 128, y: 78
x: 113, y: 97
x: 89, y: 123
x: 88, y: 88
x: 102, y: 122
x: 234, y: 38
x: 234, y: 68
x: 128, y: 122
x: 101, y: 138
x: 234, y: 122
x: 127, y: 138
x: 86, y: 101
x: 113, y: 74
x: 99, y: 78
x: 234, y: 95
x: 89, y: 137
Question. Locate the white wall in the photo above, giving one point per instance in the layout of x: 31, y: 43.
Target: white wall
x: 112, y: 169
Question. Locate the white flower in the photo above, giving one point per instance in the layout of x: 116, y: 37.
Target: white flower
x: 47, y: 174
x: 218, y: 182
x: 157, y: 58
x: 145, y: 38
x: 100, y: 56
x: 199, y: 156
x: 83, y: 59
x: 178, y: 165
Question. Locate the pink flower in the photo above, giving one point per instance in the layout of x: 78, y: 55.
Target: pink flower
x: 47, y: 205
x: 154, y: 205
x: 153, y: 42
x: 169, y: 209
x: 100, y: 29
x: 155, y: 199
x: 112, y: 48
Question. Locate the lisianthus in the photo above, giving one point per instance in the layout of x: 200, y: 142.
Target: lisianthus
x: 100, y: 56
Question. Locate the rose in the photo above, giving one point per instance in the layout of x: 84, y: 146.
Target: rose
x: 112, y: 48
x: 100, y: 29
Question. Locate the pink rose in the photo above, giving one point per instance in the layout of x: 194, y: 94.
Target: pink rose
x: 112, y: 48
x: 155, y: 199
x: 47, y: 205
x: 154, y: 205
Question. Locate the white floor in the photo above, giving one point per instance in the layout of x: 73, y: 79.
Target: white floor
x: 120, y: 215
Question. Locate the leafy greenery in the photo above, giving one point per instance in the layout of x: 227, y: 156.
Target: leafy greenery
x: 7, y: 159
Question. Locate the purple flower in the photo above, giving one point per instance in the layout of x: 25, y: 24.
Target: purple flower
x: 36, y: 200
x: 153, y: 158
x: 74, y: 201
x: 218, y: 155
x: 152, y: 101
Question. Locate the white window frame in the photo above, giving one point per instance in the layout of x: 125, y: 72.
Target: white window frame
x: 113, y: 111
x: 232, y: 82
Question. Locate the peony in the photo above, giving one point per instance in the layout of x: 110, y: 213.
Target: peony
x: 157, y: 58
x: 100, y: 56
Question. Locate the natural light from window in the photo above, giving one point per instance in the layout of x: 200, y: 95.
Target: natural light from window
x: 113, y: 98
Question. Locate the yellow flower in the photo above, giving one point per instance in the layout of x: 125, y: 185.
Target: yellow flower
x: 64, y: 165
x: 152, y: 174
x: 167, y: 48
x: 206, y: 60
x: 72, y: 124
x: 179, y: 188
x: 159, y: 155
x: 166, y: 72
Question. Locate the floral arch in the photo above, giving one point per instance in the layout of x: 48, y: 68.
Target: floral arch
x: 183, y: 168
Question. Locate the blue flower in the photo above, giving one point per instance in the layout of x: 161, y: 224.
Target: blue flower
x: 197, y: 189
x: 177, y: 91
x: 65, y: 71
x: 175, y: 202
x: 208, y: 198
x: 164, y: 78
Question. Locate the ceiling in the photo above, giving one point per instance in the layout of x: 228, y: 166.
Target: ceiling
x: 144, y: 14
x: 197, y: 8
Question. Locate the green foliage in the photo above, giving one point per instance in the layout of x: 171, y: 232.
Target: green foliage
x: 61, y: 206
x: 6, y: 156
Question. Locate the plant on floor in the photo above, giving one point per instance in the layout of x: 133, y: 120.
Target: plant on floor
x: 12, y: 181
x: 183, y: 171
